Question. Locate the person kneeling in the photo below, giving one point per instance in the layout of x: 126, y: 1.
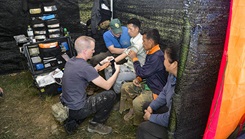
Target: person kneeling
x: 77, y: 74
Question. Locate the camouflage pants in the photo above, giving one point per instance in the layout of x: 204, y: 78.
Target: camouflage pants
x: 134, y: 97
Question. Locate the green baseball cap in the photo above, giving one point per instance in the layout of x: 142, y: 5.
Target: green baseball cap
x: 115, y: 26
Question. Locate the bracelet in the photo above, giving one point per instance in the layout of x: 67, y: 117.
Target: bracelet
x: 100, y: 64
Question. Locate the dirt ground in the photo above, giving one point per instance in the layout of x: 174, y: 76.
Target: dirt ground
x: 26, y: 115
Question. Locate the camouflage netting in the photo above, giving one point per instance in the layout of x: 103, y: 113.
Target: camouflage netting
x: 14, y: 20
x: 11, y: 60
x: 86, y: 7
x: 166, y: 16
x: 206, y: 23
x: 199, y: 27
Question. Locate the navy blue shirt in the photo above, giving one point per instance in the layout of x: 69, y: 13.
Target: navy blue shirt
x: 153, y: 71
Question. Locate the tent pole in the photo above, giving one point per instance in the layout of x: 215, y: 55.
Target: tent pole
x: 111, y: 2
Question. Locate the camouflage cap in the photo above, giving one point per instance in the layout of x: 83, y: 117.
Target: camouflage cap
x: 115, y: 26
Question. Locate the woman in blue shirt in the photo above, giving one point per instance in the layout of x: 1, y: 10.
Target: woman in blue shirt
x: 156, y: 124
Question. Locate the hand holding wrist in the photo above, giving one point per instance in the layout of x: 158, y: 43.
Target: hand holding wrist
x: 100, y: 64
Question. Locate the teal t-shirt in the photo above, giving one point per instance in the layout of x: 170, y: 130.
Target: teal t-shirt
x: 122, y: 42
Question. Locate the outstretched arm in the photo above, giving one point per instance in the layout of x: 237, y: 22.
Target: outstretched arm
x: 107, y: 84
x: 120, y: 57
x: 104, y: 63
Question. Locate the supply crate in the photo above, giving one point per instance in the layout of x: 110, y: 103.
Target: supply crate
x: 44, y: 58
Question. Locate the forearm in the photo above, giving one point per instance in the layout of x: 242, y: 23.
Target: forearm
x: 103, y: 64
x: 120, y: 57
x: 160, y: 119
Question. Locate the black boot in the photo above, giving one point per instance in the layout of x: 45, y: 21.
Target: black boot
x: 70, y: 126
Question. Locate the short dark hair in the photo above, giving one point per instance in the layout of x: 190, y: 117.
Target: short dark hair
x: 153, y: 34
x: 136, y: 22
x: 172, y: 50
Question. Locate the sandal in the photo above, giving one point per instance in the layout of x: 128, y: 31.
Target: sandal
x: 129, y: 115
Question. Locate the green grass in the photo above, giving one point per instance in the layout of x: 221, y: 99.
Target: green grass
x: 24, y: 114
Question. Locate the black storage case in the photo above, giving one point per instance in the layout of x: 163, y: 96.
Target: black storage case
x: 36, y: 57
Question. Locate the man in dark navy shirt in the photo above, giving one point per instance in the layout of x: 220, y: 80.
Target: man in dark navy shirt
x: 153, y: 72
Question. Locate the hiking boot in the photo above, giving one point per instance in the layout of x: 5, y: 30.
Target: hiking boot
x: 99, y: 128
x: 70, y: 126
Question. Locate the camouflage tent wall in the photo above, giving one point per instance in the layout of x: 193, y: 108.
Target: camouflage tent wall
x: 198, y: 27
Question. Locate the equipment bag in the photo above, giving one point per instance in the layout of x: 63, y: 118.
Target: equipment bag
x: 60, y: 112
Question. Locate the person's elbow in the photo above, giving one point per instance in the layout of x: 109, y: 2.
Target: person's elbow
x: 113, y: 51
x: 107, y: 87
x: 116, y: 50
x: 101, y: 82
x: 111, y: 48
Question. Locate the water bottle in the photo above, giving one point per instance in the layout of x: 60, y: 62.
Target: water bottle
x: 30, y: 33
x: 66, y: 33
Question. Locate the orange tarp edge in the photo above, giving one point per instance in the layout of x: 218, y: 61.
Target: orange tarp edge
x: 233, y: 101
x: 232, y: 104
